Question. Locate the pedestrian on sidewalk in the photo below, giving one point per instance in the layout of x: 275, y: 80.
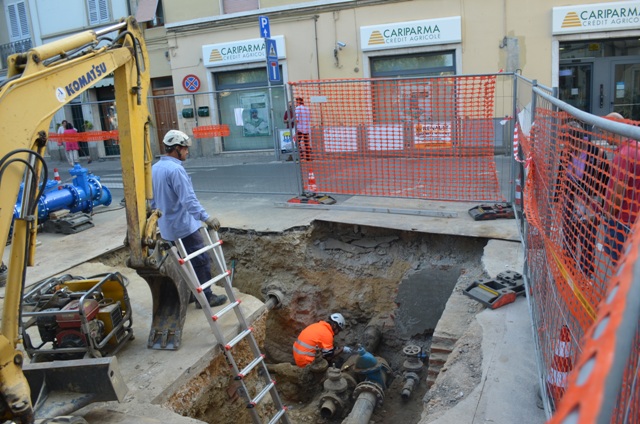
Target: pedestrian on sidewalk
x: 303, y: 129
x: 182, y: 213
x: 71, y: 147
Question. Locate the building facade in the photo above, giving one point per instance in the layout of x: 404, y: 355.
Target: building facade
x: 36, y: 22
x: 208, y: 58
x: 590, y: 50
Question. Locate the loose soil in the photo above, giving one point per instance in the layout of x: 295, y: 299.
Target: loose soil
x: 358, y: 271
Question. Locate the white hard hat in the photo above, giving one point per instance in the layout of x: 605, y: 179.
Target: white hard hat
x: 338, y: 319
x: 175, y: 137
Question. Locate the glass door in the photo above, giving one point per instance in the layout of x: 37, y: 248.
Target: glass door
x: 626, y: 90
x: 575, y: 84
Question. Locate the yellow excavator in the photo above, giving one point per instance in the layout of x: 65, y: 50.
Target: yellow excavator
x: 40, y: 82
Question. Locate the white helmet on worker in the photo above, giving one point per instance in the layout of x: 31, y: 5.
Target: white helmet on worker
x: 338, y: 319
x: 176, y: 138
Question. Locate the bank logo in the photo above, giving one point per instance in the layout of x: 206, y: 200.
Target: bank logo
x: 571, y: 20
x: 376, y: 38
x: 215, y: 56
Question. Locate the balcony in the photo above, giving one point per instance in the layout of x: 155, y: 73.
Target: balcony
x: 10, y: 48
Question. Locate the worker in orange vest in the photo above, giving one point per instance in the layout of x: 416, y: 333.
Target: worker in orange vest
x: 319, y: 335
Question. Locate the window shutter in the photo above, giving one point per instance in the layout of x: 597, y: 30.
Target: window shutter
x: 18, y: 22
x: 93, y: 12
x: 98, y: 11
x: 103, y: 10
x: 233, y: 6
x: 24, y: 23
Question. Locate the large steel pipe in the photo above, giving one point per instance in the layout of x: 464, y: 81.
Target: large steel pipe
x: 362, y: 409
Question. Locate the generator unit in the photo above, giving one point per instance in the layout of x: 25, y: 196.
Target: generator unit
x: 71, y: 318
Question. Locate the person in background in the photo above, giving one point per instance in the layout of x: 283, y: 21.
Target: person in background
x: 303, y: 129
x: 182, y: 213
x: 319, y: 336
x: 623, y: 191
x: 71, y: 147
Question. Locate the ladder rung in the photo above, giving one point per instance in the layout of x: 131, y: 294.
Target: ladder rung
x: 279, y: 415
x: 242, y: 374
x: 198, y: 252
x: 224, y: 310
x: 237, y: 338
x: 262, y: 393
x: 213, y: 281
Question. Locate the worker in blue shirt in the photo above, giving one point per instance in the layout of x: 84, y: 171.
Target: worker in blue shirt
x: 182, y: 213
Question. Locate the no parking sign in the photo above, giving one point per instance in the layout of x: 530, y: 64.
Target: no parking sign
x: 191, y: 83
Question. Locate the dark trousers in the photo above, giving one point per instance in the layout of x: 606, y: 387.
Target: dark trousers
x: 304, y: 145
x: 201, y: 263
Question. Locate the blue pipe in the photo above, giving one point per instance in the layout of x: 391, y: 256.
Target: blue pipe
x: 85, y: 193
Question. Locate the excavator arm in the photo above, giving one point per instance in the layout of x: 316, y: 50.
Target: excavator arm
x: 40, y: 82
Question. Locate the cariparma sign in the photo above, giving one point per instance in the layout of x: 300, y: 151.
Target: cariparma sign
x: 409, y: 34
x: 596, y: 17
x: 241, y: 51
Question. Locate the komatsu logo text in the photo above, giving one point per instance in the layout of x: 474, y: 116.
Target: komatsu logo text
x: 87, y: 79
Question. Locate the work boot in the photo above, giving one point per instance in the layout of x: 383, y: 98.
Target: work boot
x: 214, y: 300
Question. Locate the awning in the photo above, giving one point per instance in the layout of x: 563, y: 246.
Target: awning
x: 146, y: 10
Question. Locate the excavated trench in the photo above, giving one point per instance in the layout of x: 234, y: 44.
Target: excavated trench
x: 399, y: 281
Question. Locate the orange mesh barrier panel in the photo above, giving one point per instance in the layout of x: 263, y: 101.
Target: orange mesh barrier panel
x: 205, y: 131
x: 427, y: 138
x: 85, y: 136
x: 581, y: 200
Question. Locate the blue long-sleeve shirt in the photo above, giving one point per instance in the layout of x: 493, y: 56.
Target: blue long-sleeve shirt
x: 173, y: 194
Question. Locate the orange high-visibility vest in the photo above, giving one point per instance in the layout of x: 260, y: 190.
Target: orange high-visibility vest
x: 318, y: 335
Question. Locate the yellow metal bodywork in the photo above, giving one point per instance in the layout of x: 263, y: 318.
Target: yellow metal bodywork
x: 39, y: 83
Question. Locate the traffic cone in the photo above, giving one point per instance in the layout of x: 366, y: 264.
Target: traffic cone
x: 518, y: 195
x: 311, y: 182
x: 561, y: 365
x: 56, y: 177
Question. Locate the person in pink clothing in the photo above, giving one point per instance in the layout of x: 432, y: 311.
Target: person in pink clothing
x: 623, y: 193
x: 71, y: 147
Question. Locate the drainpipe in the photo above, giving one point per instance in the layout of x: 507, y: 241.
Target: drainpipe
x: 273, y: 299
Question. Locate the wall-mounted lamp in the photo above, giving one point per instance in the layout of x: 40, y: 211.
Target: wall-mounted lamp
x: 339, y: 46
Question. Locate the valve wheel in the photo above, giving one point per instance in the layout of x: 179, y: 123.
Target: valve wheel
x: 411, y: 350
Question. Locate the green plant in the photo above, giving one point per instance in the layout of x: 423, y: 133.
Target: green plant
x: 88, y: 125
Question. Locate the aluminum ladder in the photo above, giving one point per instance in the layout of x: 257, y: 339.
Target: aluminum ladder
x: 213, y: 247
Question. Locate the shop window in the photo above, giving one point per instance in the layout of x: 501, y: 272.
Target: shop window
x: 600, y: 48
x: 412, y: 100
x: 18, y: 22
x: 244, y: 103
x: 234, y: 6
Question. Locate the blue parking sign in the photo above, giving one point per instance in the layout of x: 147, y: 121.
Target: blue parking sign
x: 265, y: 31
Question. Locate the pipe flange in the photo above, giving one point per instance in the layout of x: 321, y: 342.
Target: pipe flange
x: 371, y: 387
x: 410, y: 376
x: 412, y: 365
x: 330, y: 396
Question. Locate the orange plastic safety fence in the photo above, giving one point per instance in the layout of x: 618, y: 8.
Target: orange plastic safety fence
x: 428, y: 138
x: 205, y: 131
x: 85, y: 136
x: 581, y: 200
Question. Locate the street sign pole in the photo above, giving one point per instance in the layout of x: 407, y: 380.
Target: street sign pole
x: 265, y: 33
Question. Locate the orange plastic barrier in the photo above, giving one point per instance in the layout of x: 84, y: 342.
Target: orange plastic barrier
x: 205, y: 131
x: 427, y: 138
x: 581, y: 203
x: 85, y: 136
